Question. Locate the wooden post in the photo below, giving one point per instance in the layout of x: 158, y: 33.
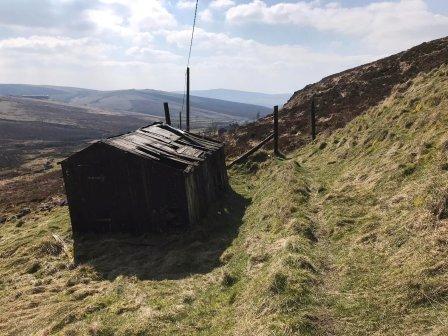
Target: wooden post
x: 188, y: 99
x: 180, y: 120
x: 253, y: 150
x: 313, y: 118
x: 276, y: 152
x: 167, y: 113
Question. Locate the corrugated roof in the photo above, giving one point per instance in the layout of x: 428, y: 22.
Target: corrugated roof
x: 165, y: 143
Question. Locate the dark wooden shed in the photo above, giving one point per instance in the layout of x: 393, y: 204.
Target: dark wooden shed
x: 152, y: 180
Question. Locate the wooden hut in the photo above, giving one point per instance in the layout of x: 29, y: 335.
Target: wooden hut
x: 152, y: 180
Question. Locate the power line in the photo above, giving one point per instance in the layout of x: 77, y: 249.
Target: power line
x: 192, y: 32
x: 189, y: 54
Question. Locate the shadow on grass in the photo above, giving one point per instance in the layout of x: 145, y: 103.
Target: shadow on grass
x: 166, y: 256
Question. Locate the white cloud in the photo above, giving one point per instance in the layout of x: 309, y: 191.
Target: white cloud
x: 387, y: 25
x: 107, y: 20
x: 206, y: 15
x: 120, y: 33
x: 84, y: 17
x: 113, y: 44
x: 55, y: 46
x: 86, y: 62
x: 220, y: 4
x: 142, y: 15
x: 209, y: 43
x: 45, y: 15
x: 186, y: 4
x: 152, y: 54
x: 224, y: 61
x: 97, y: 74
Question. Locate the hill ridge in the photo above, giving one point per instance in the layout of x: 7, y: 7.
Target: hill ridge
x: 341, y: 97
x: 205, y: 111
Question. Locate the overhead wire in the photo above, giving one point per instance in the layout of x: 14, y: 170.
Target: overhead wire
x: 188, y: 62
x: 192, y: 32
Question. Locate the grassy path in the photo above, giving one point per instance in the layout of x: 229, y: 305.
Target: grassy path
x: 380, y: 215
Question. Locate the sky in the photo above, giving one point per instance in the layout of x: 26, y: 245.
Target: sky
x: 252, y: 45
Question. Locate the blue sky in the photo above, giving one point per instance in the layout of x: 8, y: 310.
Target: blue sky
x: 253, y: 45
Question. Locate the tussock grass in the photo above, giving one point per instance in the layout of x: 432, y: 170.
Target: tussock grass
x: 382, y: 215
x: 348, y: 236
x: 248, y: 269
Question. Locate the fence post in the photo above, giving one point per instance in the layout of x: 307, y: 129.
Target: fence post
x: 313, y: 118
x: 276, y: 152
x: 167, y: 113
x: 188, y: 99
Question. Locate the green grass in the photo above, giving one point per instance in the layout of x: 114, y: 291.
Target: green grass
x: 347, y: 236
x: 261, y: 282
x: 379, y: 226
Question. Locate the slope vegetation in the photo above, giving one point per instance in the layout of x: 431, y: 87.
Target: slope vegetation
x: 381, y: 213
x: 342, y: 97
x: 347, y: 236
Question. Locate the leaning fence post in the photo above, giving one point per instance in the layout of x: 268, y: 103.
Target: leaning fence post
x: 313, y: 118
x: 167, y: 113
x: 276, y: 152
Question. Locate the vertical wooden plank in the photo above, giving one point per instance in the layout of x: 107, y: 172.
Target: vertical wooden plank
x: 276, y: 152
x: 188, y: 99
x: 313, y: 118
x: 167, y: 113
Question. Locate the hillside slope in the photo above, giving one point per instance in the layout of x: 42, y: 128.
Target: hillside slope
x: 381, y: 214
x: 341, y: 97
x: 34, y: 131
x: 347, y: 236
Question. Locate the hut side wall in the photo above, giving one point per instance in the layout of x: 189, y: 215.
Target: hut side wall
x: 205, y: 184
x: 110, y: 190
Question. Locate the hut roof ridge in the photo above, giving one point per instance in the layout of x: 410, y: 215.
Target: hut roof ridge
x: 165, y: 143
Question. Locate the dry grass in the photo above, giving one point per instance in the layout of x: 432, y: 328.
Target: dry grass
x: 381, y: 214
x: 238, y: 268
x: 347, y: 237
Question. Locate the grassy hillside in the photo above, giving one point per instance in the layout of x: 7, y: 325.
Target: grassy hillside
x: 347, y: 236
x: 381, y: 213
x: 341, y: 97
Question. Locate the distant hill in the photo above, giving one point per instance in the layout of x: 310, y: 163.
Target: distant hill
x: 256, y: 98
x: 57, y: 93
x: 55, y: 114
x: 204, y: 111
x: 33, y: 130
